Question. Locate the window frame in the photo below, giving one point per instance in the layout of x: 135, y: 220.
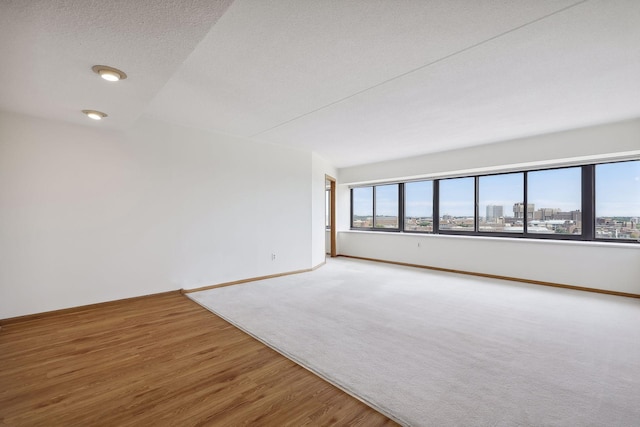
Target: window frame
x: 433, y: 207
x: 475, y: 209
x: 373, y: 208
x: 524, y: 201
x: 594, y: 196
x: 587, y: 207
x: 399, y: 200
x: 373, y: 201
x: 585, y: 173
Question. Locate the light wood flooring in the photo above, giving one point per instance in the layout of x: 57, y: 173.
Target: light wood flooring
x: 157, y: 360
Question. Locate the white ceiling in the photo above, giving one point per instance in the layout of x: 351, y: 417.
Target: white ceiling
x: 355, y: 81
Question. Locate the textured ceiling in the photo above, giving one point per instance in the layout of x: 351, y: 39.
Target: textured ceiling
x: 355, y: 81
x: 47, y: 49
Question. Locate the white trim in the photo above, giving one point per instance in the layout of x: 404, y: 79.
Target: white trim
x: 625, y: 245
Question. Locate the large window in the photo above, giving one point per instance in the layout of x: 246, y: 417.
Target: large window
x: 418, y: 206
x: 554, y: 201
x: 500, y: 197
x: 617, y: 195
x: 457, y: 201
x: 588, y: 202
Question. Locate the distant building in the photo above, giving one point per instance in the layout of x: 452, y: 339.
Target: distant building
x: 518, y: 210
x: 546, y: 214
x: 494, y: 212
x: 569, y: 216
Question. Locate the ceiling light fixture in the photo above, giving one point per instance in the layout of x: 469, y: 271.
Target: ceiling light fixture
x: 110, y: 74
x: 95, y: 115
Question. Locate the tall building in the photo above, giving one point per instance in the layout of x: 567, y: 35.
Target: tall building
x: 494, y: 212
x: 518, y: 210
x: 546, y: 214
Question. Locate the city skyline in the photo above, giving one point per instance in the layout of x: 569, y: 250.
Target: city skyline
x: 617, y: 193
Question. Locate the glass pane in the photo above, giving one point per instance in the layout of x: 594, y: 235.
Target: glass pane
x: 457, y: 204
x: 386, y: 206
x: 554, y: 202
x: 362, y: 207
x: 418, y: 206
x: 327, y: 208
x: 498, y: 194
x: 618, y: 200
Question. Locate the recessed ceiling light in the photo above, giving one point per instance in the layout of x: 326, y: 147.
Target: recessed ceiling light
x: 109, y: 73
x: 95, y: 115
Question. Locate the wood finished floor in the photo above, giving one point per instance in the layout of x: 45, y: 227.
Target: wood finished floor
x: 158, y: 360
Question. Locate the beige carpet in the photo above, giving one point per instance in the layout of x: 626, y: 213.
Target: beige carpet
x: 440, y: 349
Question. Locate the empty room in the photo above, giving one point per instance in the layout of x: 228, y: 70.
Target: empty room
x: 287, y: 213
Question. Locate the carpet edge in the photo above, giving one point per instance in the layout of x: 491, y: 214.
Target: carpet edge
x: 295, y: 360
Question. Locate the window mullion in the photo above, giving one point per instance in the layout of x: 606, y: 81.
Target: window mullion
x: 525, y: 223
x: 588, y: 202
x: 351, y: 197
x: 373, y: 208
x: 436, y: 207
x: 401, y: 207
x: 476, y: 206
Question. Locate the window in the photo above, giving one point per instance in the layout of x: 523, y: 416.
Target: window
x: 418, y: 206
x: 327, y: 208
x: 386, y: 206
x: 617, y: 194
x: 588, y: 202
x: 554, y: 202
x: 498, y: 199
x: 376, y: 207
x: 457, y: 204
x: 362, y: 206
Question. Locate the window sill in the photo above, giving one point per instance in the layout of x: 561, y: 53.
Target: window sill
x: 525, y: 240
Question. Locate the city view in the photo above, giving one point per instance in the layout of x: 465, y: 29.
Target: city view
x: 554, y: 203
x: 545, y: 221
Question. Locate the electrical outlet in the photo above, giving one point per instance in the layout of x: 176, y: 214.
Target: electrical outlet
x: 273, y: 257
x: 418, y: 244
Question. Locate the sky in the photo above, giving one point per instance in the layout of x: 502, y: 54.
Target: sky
x: 418, y: 199
x: 363, y: 201
x: 386, y: 200
x: 618, y: 189
x: 617, y: 193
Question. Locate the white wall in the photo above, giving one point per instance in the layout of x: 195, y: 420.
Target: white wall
x: 320, y: 168
x: 327, y: 242
x: 598, y: 265
x: 610, y: 266
x: 614, y: 140
x: 88, y: 215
